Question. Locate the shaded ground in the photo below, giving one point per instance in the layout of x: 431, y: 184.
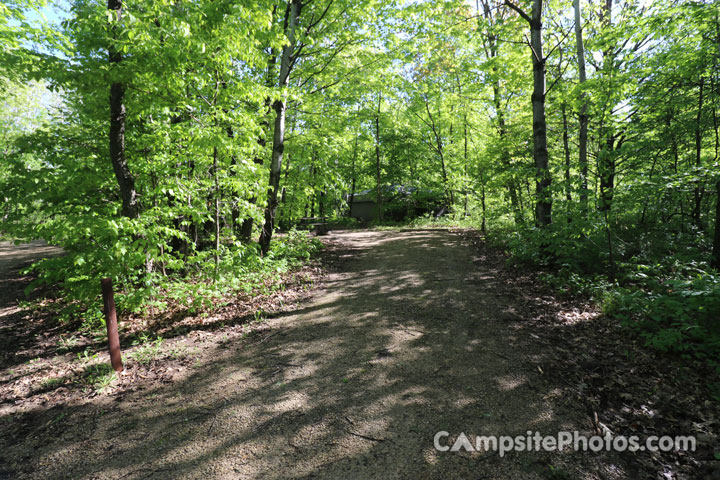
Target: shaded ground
x: 14, y: 336
x: 413, y: 333
x: 14, y: 257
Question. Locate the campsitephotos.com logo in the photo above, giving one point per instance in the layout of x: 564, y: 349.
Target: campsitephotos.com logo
x: 535, y: 441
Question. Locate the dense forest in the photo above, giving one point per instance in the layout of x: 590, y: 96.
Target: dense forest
x: 337, y: 229
x: 163, y: 144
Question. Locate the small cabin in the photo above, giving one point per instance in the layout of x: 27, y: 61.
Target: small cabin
x: 399, y: 202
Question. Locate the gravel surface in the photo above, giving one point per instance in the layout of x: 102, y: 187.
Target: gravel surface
x: 411, y: 334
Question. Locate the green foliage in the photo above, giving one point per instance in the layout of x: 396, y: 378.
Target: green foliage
x: 428, y: 95
x: 294, y: 249
x: 99, y: 377
x: 678, y: 315
x: 148, y: 350
x: 671, y: 301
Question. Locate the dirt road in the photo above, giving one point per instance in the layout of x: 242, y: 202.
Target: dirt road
x: 14, y: 256
x: 13, y: 259
x: 414, y: 334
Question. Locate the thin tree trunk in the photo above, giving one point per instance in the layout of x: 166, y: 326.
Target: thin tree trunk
x: 217, y: 211
x: 125, y: 179
x: 606, y: 154
x: 491, y: 52
x: 465, y: 166
x: 611, y: 252
x: 313, y: 175
x: 352, y: 189
x: 441, y: 153
x: 647, y: 199
x: 482, y: 202
x: 674, y: 148
x: 283, y: 198
x: 606, y: 172
x: 280, y: 107
x: 698, y: 160
x: 377, y: 160
x: 466, y: 187
x: 566, y: 148
x: 583, y: 117
x: 512, y: 187
x: 715, y: 259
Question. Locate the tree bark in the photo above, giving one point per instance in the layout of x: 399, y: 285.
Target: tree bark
x: 465, y: 165
x: 492, y: 52
x: 280, y: 107
x: 715, y: 257
x: 378, y: 172
x: 441, y: 153
x: 583, y: 117
x: 606, y: 153
x: 217, y: 211
x: 697, y: 193
x: 606, y: 172
x: 543, y: 181
x: 566, y: 148
x: 125, y: 179
x: 354, y: 178
x: 246, y: 228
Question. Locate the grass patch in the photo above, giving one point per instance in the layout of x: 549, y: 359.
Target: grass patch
x: 99, y: 377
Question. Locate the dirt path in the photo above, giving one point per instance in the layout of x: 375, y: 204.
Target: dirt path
x: 414, y: 334
x: 14, y: 258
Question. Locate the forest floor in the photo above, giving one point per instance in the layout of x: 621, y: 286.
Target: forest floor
x: 404, y: 334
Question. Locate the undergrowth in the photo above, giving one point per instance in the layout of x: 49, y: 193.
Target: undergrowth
x: 194, y: 283
x: 655, y: 286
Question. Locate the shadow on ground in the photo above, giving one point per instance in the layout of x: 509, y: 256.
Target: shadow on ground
x: 413, y: 335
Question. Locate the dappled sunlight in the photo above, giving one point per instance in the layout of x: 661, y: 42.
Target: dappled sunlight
x: 510, y: 382
x: 572, y: 317
x: 542, y: 418
x: 366, y: 374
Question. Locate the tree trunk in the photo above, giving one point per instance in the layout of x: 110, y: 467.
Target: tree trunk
x: 606, y: 172
x: 566, y: 148
x: 125, y: 179
x: 540, y: 153
x: 505, y: 159
x: 354, y: 179
x: 465, y: 166
x: 378, y: 172
x: 280, y: 107
x: 543, y: 181
x: 247, y: 224
x: 217, y: 211
x: 482, y: 203
x: 606, y: 154
x: 698, y: 160
x: 441, y: 153
x: 491, y: 52
x: 583, y: 117
x: 715, y: 260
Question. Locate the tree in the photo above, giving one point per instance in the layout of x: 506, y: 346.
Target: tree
x: 543, y: 206
x: 124, y: 177
x: 583, y: 116
x: 287, y: 59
